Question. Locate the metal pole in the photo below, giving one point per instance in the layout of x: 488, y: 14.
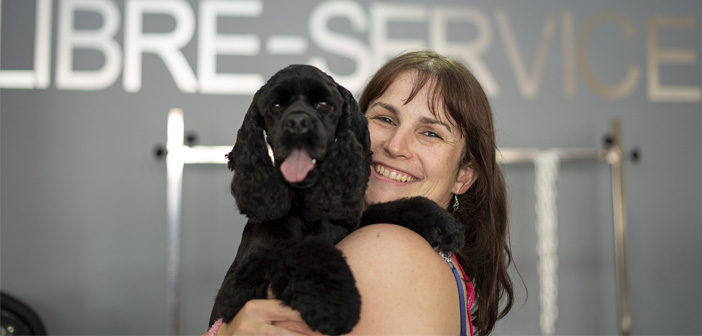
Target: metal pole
x: 619, y: 214
x: 174, y: 194
x: 177, y: 155
x: 528, y: 155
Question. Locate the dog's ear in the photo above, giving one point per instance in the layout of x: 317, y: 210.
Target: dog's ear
x: 257, y: 186
x: 344, y: 171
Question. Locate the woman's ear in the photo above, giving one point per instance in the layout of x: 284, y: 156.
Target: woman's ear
x: 465, y: 178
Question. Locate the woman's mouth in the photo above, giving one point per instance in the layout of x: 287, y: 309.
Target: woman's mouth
x: 393, y: 174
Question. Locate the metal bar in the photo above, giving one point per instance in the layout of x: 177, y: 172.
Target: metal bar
x: 205, y: 154
x: 619, y: 214
x: 174, y: 194
x: 525, y: 155
x: 215, y: 154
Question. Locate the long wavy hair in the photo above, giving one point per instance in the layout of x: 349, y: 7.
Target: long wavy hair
x: 486, y: 254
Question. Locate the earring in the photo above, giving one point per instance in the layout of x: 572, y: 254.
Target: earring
x: 456, y: 205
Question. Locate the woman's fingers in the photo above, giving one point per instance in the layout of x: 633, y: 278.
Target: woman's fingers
x: 275, y: 330
x: 282, y: 316
x: 298, y: 327
x: 259, y: 317
x: 272, y: 310
x: 266, y: 329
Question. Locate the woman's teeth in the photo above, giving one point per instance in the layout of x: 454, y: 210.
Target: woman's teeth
x: 395, y: 175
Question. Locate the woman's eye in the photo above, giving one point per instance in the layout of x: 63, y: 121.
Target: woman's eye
x: 276, y: 108
x: 386, y: 120
x: 323, y: 106
x: 432, y: 134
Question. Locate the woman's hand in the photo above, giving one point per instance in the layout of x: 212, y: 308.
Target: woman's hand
x: 265, y: 317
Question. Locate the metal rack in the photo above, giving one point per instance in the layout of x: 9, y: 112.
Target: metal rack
x: 178, y: 153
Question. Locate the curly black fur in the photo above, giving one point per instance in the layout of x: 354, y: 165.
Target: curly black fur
x: 288, y: 243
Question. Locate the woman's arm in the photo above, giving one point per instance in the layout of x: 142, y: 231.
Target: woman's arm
x: 405, y: 286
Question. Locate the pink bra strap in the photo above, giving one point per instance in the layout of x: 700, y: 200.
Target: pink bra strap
x: 471, y: 293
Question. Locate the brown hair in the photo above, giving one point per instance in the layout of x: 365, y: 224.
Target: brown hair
x: 486, y: 254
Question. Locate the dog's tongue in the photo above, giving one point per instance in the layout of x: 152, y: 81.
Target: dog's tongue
x: 296, y: 166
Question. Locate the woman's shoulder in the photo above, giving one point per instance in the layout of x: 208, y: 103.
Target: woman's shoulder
x: 406, y: 287
x: 396, y: 243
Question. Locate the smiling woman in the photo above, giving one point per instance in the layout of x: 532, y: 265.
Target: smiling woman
x: 432, y: 134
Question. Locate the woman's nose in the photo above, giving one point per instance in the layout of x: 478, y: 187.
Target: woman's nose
x: 397, y: 145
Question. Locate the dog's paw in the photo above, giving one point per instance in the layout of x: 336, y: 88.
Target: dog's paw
x: 330, y: 311
x: 447, y: 234
x: 437, y: 226
x: 314, y: 279
x: 444, y: 232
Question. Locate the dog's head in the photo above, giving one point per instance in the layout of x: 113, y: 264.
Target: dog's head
x: 299, y: 125
x: 301, y: 107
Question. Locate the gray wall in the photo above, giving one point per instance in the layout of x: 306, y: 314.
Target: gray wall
x: 84, y: 200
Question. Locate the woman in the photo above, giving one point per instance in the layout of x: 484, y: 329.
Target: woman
x: 431, y: 135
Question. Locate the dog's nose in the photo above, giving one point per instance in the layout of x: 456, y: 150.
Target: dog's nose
x: 298, y: 123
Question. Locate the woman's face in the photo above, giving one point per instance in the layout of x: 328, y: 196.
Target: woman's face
x: 414, y: 152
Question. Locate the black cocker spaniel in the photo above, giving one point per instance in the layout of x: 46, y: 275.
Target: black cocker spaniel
x: 301, y: 164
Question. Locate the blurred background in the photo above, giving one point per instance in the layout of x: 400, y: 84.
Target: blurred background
x: 87, y: 86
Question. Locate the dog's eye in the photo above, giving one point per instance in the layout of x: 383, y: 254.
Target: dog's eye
x: 276, y: 108
x: 323, y: 106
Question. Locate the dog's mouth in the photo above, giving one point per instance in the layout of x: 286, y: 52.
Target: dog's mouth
x: 296, y: 166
